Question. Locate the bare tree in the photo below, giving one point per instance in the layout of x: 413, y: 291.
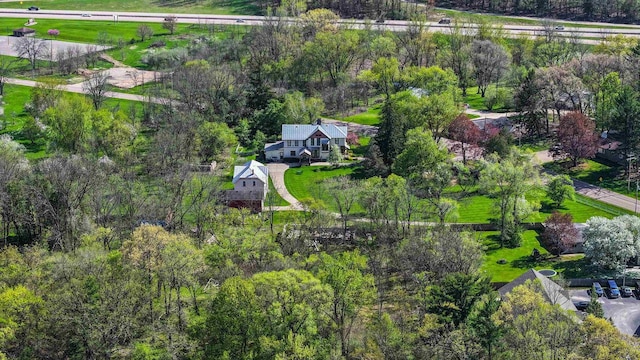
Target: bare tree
x: 96, y: 87
x: 170, y: 24
x: 490, y: 61
x: 31, y: 49
x: 144, y: 32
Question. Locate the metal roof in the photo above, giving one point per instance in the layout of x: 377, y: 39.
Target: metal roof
x: 251, y: 170
x: 303, y: 132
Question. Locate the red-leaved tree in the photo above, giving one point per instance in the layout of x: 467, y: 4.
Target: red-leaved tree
x: 462, y: 129
x: 559, y: 233
x: 577, y: 138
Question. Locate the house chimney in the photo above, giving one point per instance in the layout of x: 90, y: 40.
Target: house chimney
x: 319, y: 121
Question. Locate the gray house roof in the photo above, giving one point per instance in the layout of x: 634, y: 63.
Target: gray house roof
x: 552, y: 292
x: 302, y: 132
x: 251, y: 170
x: 274, y: 146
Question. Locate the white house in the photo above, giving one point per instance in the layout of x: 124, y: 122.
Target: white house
x: 312, y: 142
x: 250, y: 186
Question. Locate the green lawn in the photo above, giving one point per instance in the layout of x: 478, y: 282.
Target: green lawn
x: 519, y: 259
x: 305, y: 183
x: 361, y: 150
x: 476, y: 101
x: 369, y: 117
x: 478, y: 209
x: 597, y: 173
x: 166, y: 6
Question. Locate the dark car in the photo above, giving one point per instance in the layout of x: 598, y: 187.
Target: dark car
x: 444, y: 21
x: 581, y: 305
x: 614, y: 292
x: 380, y: 21
x: 598, y: 289
x: 626, y: 291
x: 33, y: 8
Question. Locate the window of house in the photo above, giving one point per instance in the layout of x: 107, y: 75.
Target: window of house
x: 337, y: 141
x: 293, y: 153
x: 325, y: 147
x: 297, y: 143
x: 244, y: 183
x: 254, y: 183
x: 288, y: 142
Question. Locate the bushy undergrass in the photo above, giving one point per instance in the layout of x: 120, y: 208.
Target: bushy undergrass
x: 369, y: 117
x: 519, y: 260
x: 168, y: 7
x: 17, y: 96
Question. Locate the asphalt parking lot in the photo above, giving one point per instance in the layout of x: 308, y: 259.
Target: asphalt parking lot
x: 624, y: 312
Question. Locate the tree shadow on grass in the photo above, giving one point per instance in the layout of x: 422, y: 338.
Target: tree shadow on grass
x: 548, y: 207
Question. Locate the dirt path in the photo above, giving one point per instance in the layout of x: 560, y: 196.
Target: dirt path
x: 115, y: 62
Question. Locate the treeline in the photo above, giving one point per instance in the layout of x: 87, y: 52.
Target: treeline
x: 622, y: 11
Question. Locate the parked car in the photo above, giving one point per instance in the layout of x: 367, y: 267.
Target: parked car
x: 33, y: 8
x: 614, y: 292
x: 444, y: 21
x: 626, y: 291
x: 581, y: 305
x: 598, y: 289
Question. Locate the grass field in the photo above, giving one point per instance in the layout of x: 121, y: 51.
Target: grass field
x: 476, y: 101
x: 305, y: 184
x: 519, y: 260
x: 240, y: 7
x: 369, y: 117
x: 274, y: 199
x: 597, y: 173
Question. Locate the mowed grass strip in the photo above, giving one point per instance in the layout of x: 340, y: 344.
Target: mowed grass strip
x: 239, y: 7
x: 519, y: 260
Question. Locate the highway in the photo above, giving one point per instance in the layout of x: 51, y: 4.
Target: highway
x: 587, y: 34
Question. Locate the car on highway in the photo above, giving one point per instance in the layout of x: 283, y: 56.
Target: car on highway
x: 626, y: 291
x: 598, y: 289
x: 86, y: 15
x: 444, y: 21
x: 581, y: 305
x: 33, y: 8
x: 240, y: 21
x: 380, y: 21
x: 559, y: 28
x: 614, y: 292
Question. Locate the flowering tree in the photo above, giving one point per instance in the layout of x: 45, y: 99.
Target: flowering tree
x: 559, y: 233
x: 576, y: 137
x: 466, y: 132
x: 53, y: 32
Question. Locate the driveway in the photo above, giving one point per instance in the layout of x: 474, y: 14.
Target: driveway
x: 276, y: 172
x: 624, y: 312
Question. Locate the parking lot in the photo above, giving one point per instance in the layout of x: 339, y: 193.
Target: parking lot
x: 624, y: 312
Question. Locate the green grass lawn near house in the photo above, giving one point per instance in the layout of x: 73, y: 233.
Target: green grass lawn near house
x: 597, y: 173
x: 519, y: 260
x: 369, y: 117
x: 240, y: 7
x: 305, y: 183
